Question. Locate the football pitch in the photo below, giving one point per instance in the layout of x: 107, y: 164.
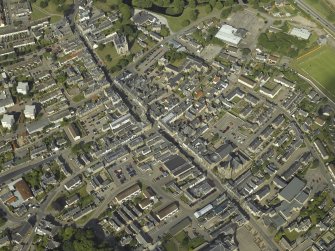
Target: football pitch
x: 319, y: 66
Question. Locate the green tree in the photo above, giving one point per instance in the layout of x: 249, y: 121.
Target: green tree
x: 165, y: 31
x: 212, y: 3
x: 125, y: 12
x: 194, y: 15
x: 208, y: 8
x: 219, y: 5
x: 226, y: 12
x: 44, y: 4
x: 192, y: 3
x: 186, y: 22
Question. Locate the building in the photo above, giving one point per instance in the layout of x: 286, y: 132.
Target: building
x: 29, y: 111
x: 177, y: 165
x: 128, y: 193
x: 73, y: 183
x: 321, y: 149
x: 300, y: 33
x: 292, y: 189
x: 22, y: 187
x: 167, y: 211
x: 7, y: 121
x: 247, y: 82
x: 22, y: 88
x: 74, y: 131
x: 203, y: 211
x: 121, y: 44
x: 229, y: 35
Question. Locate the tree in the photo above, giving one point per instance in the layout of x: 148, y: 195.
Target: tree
x: 246, y: 51
x: 126, y: 12
x: 192, y: 3
x: 226, y: 12
x: 194, y: 15
x: 109, y: 58
x: 208, y: 8
x: 186, y: 22
x: 165, y: 31
x: 101, y: 47
x: 44, y: 4
x: 219, y: 5
x: 212, y: 3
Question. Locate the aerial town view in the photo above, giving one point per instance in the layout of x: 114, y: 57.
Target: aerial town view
x: 167, y: 125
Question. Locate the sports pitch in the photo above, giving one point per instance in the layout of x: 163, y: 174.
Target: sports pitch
x: 319, y: 66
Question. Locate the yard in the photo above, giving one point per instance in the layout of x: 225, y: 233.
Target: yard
x: 320, y: 66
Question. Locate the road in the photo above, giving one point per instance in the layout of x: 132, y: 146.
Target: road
x: 325, y: 23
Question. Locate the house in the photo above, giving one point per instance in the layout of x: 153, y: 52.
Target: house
x: 167, y: 211
x: 29, y: 111
x: 319, y: 121
x: 22, y: 88
x: 145, y: 204
x: 321, y: 149
x: 247, y: 82
x: 128, y: 193
x: 23, y: 189
x: 7, y: 121
x: 73, y: 183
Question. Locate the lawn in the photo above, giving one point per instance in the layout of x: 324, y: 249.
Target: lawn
x: 176, y: 23
x: 108, y: 50
x: 105, y: 6
x: 50, y: 10
x: 320, y: 66
x: 324, y: 8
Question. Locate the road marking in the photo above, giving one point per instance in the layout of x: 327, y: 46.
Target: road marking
x: 307, y: 53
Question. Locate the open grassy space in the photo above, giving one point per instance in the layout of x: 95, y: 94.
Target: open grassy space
x: 108, y: 50
x: 319, y: 65
x: 324, y: 8
x: 176, y: 23
x: 50, y: 10
x: 105, y: 6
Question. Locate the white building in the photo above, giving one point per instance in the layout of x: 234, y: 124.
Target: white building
x: 229, y: 35
x: 22, y: 88
x: 300, y: 33
x: 29, y: 111
x: 7, y: 121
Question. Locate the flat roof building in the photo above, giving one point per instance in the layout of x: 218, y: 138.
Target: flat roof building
x: 292, y: 189
x: 7, y: 121
x: 300, y: 33
x: 29, y: 111
x: 229, y: 34
x: 22, y: 88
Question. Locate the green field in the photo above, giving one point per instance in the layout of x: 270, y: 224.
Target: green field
x: 50, y: 10
x: 319, y: 65
x: 324, y: 8
x: 176, y: 23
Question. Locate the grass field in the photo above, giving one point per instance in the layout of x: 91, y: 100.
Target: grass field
x: 323, y: 8
x: 319, y: 65
x: 176, y: 23
x: 50, y: 10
